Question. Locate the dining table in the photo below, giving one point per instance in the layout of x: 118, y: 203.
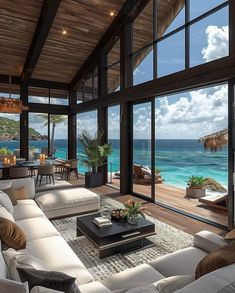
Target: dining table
x: 31, y: 165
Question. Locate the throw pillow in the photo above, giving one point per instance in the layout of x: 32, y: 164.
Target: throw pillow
x: 52, y: 280
x: 230, y: 236
x: 5, y: 214
x: 6, y: 202
x: 15, y: 259
x: 10, y: 192
x: 10, y: 286
x: 174, y: 283
x: 21, y: 193
x: 216, y: 259
x: 11, y: 234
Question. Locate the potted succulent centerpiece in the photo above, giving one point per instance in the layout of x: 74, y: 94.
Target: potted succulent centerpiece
x: 96, y: 154
x: 133, y: 211
x: 196, y: 187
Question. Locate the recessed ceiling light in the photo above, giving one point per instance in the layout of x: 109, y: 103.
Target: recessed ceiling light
x: 64, y: 32
x: 111, y: 13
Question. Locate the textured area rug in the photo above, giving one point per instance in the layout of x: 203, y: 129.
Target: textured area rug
x: 167, y: 239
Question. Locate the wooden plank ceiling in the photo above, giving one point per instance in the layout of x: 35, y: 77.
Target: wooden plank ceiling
x: 18, y: 20
x: 85, y: 22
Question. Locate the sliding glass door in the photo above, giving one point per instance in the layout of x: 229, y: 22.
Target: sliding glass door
x: 142, y: 149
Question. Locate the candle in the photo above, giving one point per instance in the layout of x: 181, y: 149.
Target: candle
x: 5, y: 160
x: 14, y: 160
x: 40, y: 158
x: 43, y: 157
x: 8, y: 161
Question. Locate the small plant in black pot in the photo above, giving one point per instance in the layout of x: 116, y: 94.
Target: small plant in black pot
x: 96, y: 153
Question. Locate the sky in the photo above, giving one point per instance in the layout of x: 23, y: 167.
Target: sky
x: 179, y: 116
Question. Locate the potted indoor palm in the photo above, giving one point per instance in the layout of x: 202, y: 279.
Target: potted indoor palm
x: 196, y: 187
x: 96, y: 154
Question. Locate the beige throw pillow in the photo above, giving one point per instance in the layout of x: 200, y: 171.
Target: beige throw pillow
x: 10, y: 192
x: 21, y: 193
x: 174, y: 283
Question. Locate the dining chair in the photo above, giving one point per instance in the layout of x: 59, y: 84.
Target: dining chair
x: 46, y: 170
x: 21, y: 172
x: 71, y: 166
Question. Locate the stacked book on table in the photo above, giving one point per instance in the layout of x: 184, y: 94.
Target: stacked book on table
x: 102, y: 222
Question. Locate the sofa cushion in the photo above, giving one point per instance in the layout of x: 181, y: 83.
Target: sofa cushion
x: 94, y: 287
x: 4, y: 184
x: 208, y: 241
x: 9, y: 286
x: 26, y: 211
x: 40, y: 289
x: 6, y: 202
x: 132, y: 278
x: 11, y: 234
x: 26, y: 202
x: 21, y: 193
x: 181, y: 262
x: 53, y: 280
x: 58, y: 256
x: 216, y: 259
x: 15, y: 259
x: 28, y: 183
x: 219, y: 281
x: 174, y: 283
x: 36, y: 228
x: 65, y: 198
x: 5, y: 214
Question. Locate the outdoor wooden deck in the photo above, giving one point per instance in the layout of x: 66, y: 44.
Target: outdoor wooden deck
x: 175, y: 197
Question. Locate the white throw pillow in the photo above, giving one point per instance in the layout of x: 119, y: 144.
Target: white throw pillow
x: 174, y: 283
x: 23, y: 259
x: 5, y: 184
x: 39, y: 289
x: 5, y: 214
x: 6, y: 202
x: 10, y: 286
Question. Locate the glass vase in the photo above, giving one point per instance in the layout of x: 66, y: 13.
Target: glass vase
x: 133, y: 219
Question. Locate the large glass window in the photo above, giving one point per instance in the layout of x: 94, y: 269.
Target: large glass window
x: 38, y: 95
x: 114, y: 140
x: 142, y: 173
x: 9, y: 124
x: 198, y: 7
x: 38, y: 135
x: 143, y: 66
x: 181, y: 120
x: 170, y: 61
x: 86, y: 122
x: 113, y: 69
x: 209, y: 38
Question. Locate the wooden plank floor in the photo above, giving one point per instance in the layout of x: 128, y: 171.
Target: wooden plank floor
x: 177, y: 220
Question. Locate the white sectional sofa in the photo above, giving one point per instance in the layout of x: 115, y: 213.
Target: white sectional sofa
x: 45, y: 244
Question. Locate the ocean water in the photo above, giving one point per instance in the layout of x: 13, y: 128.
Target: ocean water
x: 177, y: 159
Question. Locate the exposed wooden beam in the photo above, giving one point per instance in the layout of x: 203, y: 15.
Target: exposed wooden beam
x: 129, y: 11
x: 36, y: 82
x: 44, y: 24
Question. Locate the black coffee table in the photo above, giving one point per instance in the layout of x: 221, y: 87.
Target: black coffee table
x: 118, y: 238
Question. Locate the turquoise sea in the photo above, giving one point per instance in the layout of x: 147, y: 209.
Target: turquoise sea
x: 177, y: 159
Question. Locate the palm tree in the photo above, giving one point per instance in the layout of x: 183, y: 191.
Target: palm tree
x: 54, y: 121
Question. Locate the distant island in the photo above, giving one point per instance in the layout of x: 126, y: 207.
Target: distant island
x: 10, y: 130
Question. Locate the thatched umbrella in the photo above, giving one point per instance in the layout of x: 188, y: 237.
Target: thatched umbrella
x: 215, y: 141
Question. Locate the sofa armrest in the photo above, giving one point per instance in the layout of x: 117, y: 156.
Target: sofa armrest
x: 208, y: 241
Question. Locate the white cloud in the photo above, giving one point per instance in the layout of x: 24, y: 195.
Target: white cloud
x: 217, y: 43
x: 195, y: 114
